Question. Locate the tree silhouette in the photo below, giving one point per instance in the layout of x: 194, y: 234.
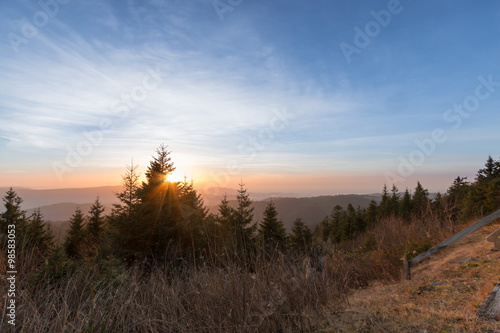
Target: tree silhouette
x: 95, y: 224
x: 243, y: 218
x: 38, y: 235
x: 420, y: 200
x: 394, y: 201
x: 272, y: 232
x: 406, y: 206
x: 13, y: 214
x: 75, y: 235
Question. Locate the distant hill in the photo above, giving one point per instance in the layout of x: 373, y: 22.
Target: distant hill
x: 58, y: 205
x: 33, y: 198
x: 64, y: 211
x: 213, y: 195
x: 58, y: 215
x: 311, y: 209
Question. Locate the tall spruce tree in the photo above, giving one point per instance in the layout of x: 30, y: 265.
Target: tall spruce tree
x: 406, y: 206
x: 160, y: 167
x: 349, y: 223
x: 124, y: 220
x: 129, y: 196
x: 272, y: 232
x: 420, y: 200
x: 455, y: 196
x: 486, y: 191
x: 76, y: 234
x: 384, y: 208
x: 13, y: 214
x: 159, y: 214
x: 394, y: 201
x: 95, y: 224
x: 243, y: 217
x: 38, y: 234
x: 226, y: 222
x: 334, y: 224
x: 226, y: 214
x: 491, y: 170
x: 194, y: 217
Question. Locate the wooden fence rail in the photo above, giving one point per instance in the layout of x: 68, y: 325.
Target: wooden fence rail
x: 467, y: 231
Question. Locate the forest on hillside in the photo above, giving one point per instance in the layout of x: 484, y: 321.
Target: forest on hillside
x: 161, y: 261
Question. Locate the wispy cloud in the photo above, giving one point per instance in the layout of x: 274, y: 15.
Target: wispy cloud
x: 221, y: 81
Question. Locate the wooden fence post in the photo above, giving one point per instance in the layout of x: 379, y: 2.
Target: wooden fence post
x: 408, y: 270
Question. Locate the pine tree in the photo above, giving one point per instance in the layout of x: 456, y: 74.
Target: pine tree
x: 76, y: 234
x: 301, y: 238
x: 334, y: 223
x: 194, y: 217
x: 13, y: 215
x: 484, y: 195
x: 124, y: 220
x: 455, y: 197
x: 492, y: 194
x: 349, y: 222
x: 95, y: 225
x: 38, y: 235
x: 129, y: 196
x: 385, y: 203
x: 420, y: 200
x: 487, y: 188
x: 160, y: 167
x: 272, y: 232
x: 243, y: 217
x: 491, y: 169
x: 394, y: 201
x: 406, y: 206
x: 159, y: 216
x: 226, y: 214
x: 226, y: 222
x: 57, y: 264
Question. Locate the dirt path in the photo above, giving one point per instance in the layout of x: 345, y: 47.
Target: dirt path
x: 444, y: 294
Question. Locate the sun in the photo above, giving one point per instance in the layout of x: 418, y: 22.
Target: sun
x: 175, y: 177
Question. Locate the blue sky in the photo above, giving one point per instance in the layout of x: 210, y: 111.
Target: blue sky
x: 259, y: 90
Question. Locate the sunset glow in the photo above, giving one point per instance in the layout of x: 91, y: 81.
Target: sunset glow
x: 257, y: 93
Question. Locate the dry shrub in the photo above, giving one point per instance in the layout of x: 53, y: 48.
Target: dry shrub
x: 274, y: 296
x: 224, y: 296
x: 380, y: 252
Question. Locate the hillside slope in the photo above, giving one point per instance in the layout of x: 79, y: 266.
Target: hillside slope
x: 444, y: 294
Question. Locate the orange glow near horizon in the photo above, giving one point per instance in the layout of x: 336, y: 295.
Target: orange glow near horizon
x: 299, y: 184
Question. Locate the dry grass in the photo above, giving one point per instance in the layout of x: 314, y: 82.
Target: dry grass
x: 358, y: 291
x: 442, y: 296
x: 276, y: 297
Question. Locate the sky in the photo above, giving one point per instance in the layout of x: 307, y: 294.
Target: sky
x: 301, y: 97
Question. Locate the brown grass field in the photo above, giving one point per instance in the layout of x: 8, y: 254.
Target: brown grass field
x: 358, y: 291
